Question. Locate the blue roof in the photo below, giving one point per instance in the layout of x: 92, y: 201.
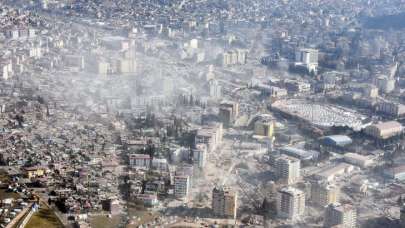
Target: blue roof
x: 337, y: 140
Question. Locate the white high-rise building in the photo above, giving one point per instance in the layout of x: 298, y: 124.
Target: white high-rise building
x: 242, y: 56
x: 6, y: 69
x: 308, y: 58
x: 233, y: 57
x: 291, y: 203
x: 215, y: 89
x: 344, y: 215
x: 288, y: 169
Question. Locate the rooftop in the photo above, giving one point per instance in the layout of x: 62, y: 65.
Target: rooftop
x: 291, y: 191
x: 388, y: 125
x: 340, y: 140
x: 299, y: 153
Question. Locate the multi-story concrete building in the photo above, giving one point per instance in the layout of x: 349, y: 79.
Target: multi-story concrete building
x: 229, y: 58
x: 385, y: 84
x: 181, y: 186
x: 370, y: 91
x: 225, y: 115
x: 224, y: 202
x: 126, y: 65
x: 323, y: 194
x: 288, y: 169
x: 228, y: 112
x: 215, y: 89
x: 140, y: 161
x: 242, y: 56
x: 391, y: 108
x: 160, y: 164
x: 291, y: 203
x: 295, y: 87
x: 233, y: 57
x: 200, y: 155
x: 264, y: 128
x: 210, y: 135
x: 278, y: 92
x: 344, y: 215
x: 6, y: 69
x: 384, y: 130
x: 307, y: 58
x: 359, y: 160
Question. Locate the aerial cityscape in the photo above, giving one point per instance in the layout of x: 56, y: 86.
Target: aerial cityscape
x: 202, y: 113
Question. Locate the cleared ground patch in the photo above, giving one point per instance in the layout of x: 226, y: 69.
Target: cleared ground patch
x: 44, y: 217
x: 102, y: 221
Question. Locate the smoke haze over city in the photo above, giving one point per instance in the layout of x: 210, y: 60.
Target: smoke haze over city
x: 202, y: 113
